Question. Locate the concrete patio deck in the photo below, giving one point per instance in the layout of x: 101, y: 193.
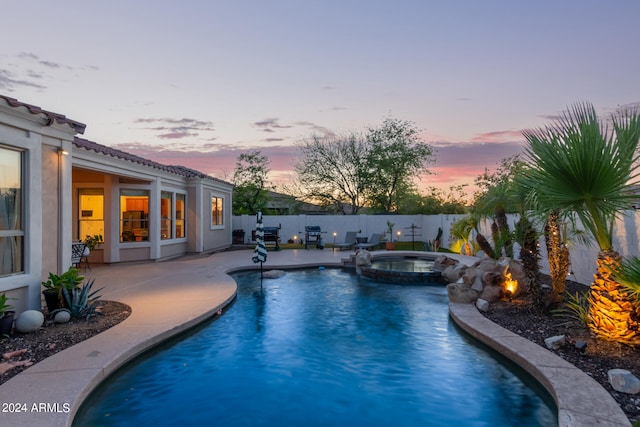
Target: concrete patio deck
x: 169, y: 297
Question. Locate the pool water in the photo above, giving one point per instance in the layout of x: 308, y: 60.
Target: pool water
x: 322, y: 347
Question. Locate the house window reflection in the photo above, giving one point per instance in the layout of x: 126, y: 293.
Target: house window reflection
x: 217, y: 218
x: 134, y: 215
x: 11, y: 212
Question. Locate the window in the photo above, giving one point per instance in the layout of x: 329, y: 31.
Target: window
x: 217, y: 211
x: 11, y: 212
x: 166, y: 215
x: 134, y: 215
x: 180, y: 220
x: 172, y: 211
x: 91, y: 217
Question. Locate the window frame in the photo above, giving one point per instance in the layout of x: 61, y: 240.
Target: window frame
x: 18, y: 234
x: 213, y: 224
x: 144, y: 192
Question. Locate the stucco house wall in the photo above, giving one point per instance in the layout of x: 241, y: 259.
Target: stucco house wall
x: 55, y: 166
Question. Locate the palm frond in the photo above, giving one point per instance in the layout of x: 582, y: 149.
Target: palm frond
x: 627, y: 274
x: 580, y: 164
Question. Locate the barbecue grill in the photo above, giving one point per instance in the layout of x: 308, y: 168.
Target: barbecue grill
x: 271, y: 236
x: 313, y: 234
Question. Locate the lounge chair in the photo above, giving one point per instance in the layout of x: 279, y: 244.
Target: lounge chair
x: 371, y: 243
x: 349, y: 241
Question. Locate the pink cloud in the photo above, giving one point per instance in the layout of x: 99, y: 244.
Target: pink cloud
x: 498, y: 136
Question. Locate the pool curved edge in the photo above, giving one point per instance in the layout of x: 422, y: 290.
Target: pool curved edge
x: 581, y: 400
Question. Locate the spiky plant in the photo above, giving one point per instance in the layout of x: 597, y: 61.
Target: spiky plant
x: 582, y: 165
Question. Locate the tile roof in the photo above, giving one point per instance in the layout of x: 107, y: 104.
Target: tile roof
x: 119, y: 154
x: 53, y: 117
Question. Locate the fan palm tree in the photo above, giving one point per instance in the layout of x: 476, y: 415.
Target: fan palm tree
x: 588, y: 167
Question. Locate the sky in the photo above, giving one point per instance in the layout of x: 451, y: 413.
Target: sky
x: 197, y: 83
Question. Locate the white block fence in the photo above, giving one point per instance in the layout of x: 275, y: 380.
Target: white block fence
x: 426, y: 228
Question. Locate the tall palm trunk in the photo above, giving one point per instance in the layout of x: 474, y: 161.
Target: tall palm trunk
x: 613, y: 313
x: 558, y: 255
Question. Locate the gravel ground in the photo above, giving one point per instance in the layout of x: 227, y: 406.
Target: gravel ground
x: 19, y: 351
x: 596, y: 359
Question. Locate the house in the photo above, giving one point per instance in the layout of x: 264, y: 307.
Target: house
x: 57, y: 188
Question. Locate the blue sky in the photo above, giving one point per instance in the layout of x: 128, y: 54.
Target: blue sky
x: 198, y: 82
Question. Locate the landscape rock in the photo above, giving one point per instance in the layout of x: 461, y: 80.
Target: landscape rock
x: 454, y: 272
x: 554, y: 343
x: 363, y: 258
x: 491, y: 293
x: 482, y: 305
x: 623, y: 381
x: 29, y: 321
x: 63, y: 316
x: 442, y: 262
x: 487, y: 264
x: 461, y: 293
x: 470, y: 275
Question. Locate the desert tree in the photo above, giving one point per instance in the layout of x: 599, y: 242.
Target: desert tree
x: 396, y: 155
x: 251, y: 185
x: 334, y: 171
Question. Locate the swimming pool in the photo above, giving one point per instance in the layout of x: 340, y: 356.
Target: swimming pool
x: 316, y: 348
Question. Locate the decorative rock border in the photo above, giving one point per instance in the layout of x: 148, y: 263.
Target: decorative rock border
x: 581, y: 400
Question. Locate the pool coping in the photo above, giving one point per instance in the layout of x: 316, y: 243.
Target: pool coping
x: 580, y: 399
x: 170, y: 297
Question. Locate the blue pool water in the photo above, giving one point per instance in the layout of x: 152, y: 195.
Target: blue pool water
x: 322, y: 348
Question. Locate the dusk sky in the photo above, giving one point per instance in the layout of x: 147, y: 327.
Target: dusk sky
x: 197, y: 83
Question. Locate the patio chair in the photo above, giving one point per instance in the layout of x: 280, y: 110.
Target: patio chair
x: 349, y: 241
x: 371, y: 243
x: 77, y: 253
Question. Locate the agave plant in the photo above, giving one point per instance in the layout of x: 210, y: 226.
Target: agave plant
x: 81, y: 300
x: 585, y: 166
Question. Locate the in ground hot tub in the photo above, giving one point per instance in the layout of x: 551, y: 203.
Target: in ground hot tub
x: 403, y: 270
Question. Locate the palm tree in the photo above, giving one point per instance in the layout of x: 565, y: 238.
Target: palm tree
x: 589, y: 167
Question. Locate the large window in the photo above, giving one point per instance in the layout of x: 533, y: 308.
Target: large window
x: 217, y: 211
x: 91, y: 218
x: 172, y: 213
x: 134, y: 215
x: 11, y: 212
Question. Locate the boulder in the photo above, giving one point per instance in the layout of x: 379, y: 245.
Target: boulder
x: 554, y: 343
x: 29, y: 321
x: 442, y: 262
x: 482, y: 305
x: 491, y: 293
x: 363, y: 258
x: 62, y: 316
x: 623, y: 381
x: 453, y: 273
x: 486, y: 264
x: 461, y: 293
x: 470, y: 275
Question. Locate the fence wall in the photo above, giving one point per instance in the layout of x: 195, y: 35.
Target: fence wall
x: 421, y: 228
